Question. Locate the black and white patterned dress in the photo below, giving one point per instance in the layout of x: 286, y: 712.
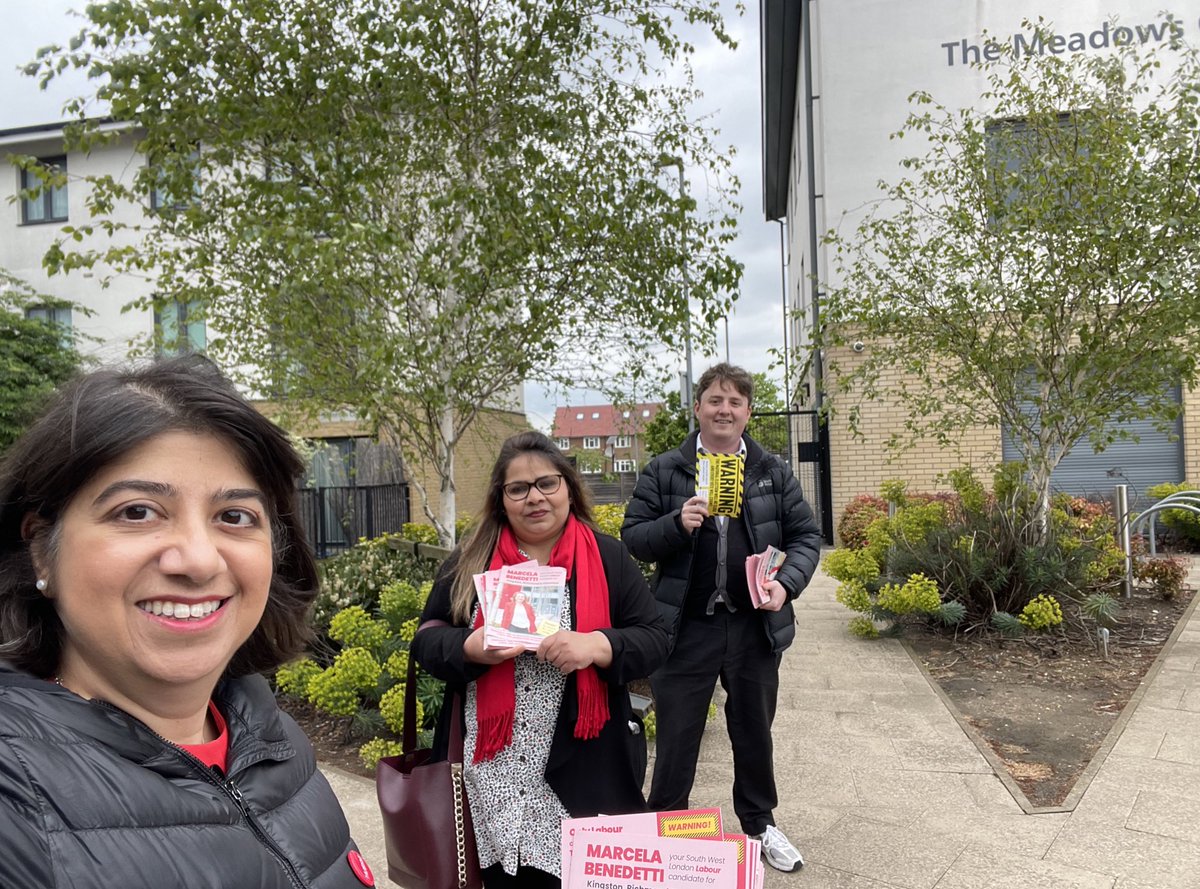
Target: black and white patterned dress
x: 517, y: 817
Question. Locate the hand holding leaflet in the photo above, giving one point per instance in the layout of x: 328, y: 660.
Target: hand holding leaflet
x: 521, y: 604
x: 760, y: 568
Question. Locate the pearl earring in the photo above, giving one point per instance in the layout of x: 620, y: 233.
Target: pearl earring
x: 41, y: 584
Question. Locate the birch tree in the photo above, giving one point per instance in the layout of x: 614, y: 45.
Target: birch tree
x: 409, y: 208
x: 1038, y: 267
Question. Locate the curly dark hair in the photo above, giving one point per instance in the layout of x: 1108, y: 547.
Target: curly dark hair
x: 95, y: 420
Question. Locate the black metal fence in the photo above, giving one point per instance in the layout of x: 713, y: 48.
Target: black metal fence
x: 335, y: 517
x: 801, y: 440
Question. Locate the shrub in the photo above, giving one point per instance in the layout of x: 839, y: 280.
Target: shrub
x: 359, y: 667
x: 859, y: 513
x: 893, y: 491
x: 893, y: 601
x: 293, y: 678
x: 357, y: 576
x: 609, y: 517
x: 970, y: 491
x: 1041, y: 613
x: 1164, y: 574
x: 1180, y: 521
x: 851, y: 564
x: 863, y: 627
x: 422, y: 532
x: 975, y: 552
x: 354, y: 628
x: 376, y: 749
x: 400, y: 600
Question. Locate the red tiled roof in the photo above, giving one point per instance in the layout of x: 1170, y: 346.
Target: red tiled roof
x: 602, y: 419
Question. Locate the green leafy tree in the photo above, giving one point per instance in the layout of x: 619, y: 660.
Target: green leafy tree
x: 670, y: 425
x: 409, y: 208
x: 1037, y: 268
x: 35, y: 356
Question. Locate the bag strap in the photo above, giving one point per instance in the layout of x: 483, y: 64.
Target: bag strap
x: 454, y: 751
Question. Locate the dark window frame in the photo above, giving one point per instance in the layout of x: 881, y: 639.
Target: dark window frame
x: 29, y: 180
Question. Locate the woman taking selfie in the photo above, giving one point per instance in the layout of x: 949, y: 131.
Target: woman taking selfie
x: 151, y: 565
x: 548, y: 735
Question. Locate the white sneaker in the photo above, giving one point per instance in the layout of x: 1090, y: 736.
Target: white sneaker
x: 778, y: 850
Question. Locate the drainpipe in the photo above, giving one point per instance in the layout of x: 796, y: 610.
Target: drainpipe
x: 810, y: 162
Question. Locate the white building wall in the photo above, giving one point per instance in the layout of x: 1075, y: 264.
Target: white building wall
x: 23, y: 246
x: 868, y: 57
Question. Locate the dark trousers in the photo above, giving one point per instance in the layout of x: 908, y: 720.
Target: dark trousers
x: 494, y: 877
x: 733, y: 648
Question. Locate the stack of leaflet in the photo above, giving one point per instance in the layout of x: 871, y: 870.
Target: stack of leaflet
x: 760, y: 568
x: 658, y: 850
x: 521, y: 604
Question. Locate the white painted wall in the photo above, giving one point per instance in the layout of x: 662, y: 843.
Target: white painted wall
x: 870, y: 55
x: 23, y: 246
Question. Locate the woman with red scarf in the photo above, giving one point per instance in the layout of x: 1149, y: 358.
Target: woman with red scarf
x: 547, y: 734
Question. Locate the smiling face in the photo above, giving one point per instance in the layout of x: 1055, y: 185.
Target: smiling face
x: 539, y: 518
x: 160, y: 569
x: 722, y: 413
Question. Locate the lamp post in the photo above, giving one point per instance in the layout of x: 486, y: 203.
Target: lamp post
x: 688, y: 399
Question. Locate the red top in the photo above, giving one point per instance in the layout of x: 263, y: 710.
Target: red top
x: 215, y: 752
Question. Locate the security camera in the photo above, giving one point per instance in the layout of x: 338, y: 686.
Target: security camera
x: 857, y: 345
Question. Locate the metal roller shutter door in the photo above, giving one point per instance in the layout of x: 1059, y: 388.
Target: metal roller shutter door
x: 1155, y: 458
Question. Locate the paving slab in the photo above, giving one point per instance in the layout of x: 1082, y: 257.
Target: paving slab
x: 986, y: 868
x: 882, y: 789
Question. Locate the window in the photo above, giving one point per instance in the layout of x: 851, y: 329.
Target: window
x: 625, y: 414
x: 622, y: 441
x: 579, y: 416
x: 591, y: 469
x: 595, y: 415
x: 59, y: 316
x: 179, y: 328
x: 645, y: 412
x: 564, y: 444
x: 1030, y: 159
x: 624, y: 466
x: 50, y: 203
x: 161, y: 197
x: 591, y: 443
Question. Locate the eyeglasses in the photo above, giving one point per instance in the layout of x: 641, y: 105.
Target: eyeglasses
x: 547, y: 484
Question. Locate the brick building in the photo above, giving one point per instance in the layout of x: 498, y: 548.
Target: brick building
x: 604, y: 439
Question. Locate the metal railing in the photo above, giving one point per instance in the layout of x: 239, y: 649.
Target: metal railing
x: 335, y: 517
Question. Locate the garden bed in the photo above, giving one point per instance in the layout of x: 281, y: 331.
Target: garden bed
x: 1045, y: 704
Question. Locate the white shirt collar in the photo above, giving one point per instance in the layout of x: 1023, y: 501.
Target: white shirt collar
x: 701, y: 449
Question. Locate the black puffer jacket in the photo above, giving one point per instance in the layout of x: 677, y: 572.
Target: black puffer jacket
x: 90, y: 798
x: 774, y: 512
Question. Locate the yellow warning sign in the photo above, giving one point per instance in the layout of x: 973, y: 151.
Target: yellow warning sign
x: 719, y: 478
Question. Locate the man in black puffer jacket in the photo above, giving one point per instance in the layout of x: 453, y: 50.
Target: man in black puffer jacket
x: 703, y: 594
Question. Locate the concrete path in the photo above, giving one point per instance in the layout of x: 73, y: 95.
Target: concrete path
x: 881, y: 788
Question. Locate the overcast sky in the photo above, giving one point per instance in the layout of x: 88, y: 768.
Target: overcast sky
x: 728, y: 78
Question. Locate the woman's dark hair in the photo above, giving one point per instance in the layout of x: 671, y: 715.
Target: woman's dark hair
x: 92, y: 422
x: 476, y: 551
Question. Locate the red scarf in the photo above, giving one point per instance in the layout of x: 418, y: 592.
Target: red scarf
x: 495, y: 690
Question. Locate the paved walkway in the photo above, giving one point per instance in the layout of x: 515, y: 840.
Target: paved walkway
x: 881, y: 788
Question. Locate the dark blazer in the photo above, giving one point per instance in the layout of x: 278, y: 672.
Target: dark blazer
x: 91, y: 798
x: 774, y: 513
x: 601, y: 775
